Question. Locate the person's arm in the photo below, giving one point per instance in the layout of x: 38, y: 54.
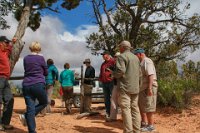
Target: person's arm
x: 44, y: 66
x: 24, y: 66
x: 150, y: 72
x: 56, y: 72
x: 120, y: 67
x: 92, y: 73
x: 72, y: 77
x: 8, y: 47
x: 149, y: 91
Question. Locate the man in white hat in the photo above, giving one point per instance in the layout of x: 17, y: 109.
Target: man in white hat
x: 127, y: 73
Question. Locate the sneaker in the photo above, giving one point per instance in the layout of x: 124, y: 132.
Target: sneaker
x: 143, y: 124
x: 22, y: 119
x: 8, y: 127
x: 107, y: 116
x: 1, y: 127
x: 148, y: 128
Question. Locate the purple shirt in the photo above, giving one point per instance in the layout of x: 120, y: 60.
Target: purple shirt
x: 35, y: 69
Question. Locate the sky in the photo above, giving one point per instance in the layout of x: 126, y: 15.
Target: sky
x: 62, y: 37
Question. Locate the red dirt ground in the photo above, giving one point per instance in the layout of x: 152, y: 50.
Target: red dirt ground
x: 166, y: 120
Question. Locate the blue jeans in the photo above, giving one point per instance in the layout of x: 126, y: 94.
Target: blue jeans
x: 107, y: 90
x: 31, y: 93
x: 6, y: 98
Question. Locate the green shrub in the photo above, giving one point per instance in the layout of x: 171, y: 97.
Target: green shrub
x: 175, y: 92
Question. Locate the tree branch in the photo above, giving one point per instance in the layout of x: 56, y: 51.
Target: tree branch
x: 128, y: 8
x: 54, y: 10
x: 114, y: 27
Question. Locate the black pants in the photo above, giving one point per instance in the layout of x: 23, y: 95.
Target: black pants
x: 6, y: 98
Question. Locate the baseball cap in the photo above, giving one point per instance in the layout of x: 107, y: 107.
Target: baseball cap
x: 125, y: 44
x: 4, y: 39
x: 138, y: 50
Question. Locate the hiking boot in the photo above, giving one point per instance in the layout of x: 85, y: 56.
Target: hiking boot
x: 148, y: 128
x: 22, y: 119
x: 8, y: 127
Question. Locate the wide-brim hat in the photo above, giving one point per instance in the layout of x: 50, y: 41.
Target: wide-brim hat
x: 4, y: 39
x: 125, y: 44
x: 86, y: 61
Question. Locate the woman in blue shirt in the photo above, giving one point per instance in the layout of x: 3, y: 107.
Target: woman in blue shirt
x: 67, y: 83
x: 50, y: 81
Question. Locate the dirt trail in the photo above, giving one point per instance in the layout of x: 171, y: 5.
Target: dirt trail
x: 167, y: 120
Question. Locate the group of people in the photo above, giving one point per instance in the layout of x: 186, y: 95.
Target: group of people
x: 129, y: 81
x: 137, y: 86
x: 38, y: 83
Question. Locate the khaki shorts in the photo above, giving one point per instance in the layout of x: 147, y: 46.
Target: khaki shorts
x: 148, y: 103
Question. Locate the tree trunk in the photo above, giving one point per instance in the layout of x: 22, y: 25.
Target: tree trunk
x: 23, y: 23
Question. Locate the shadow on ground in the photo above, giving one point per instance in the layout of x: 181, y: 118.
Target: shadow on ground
x: 15, y: 130
x: 93, y: 129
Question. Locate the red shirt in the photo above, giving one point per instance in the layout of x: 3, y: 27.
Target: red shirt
x: 4, y: 60
x: 106, y: 75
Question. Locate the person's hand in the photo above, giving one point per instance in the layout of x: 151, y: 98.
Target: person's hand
x: 14, y: 40
x: 149, y: 92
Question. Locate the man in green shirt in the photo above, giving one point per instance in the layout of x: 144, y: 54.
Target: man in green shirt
x: 127, y: 74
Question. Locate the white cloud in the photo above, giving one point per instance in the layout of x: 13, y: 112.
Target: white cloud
x: 62, y: 46
x: 82, y: 32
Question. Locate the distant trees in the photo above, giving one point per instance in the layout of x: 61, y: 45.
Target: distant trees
x: 161, y: 27
x: 28, y: 13
x: 5, y: 8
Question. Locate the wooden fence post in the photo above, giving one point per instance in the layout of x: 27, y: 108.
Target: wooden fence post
x: 82, y: 93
